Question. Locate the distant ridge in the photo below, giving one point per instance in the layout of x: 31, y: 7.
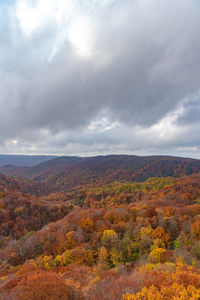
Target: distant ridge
x: 23, y: 160
x: 69, y: 172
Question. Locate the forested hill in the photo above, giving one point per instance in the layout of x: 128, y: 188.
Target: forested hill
x: 24, y: 185
x: 69, y: 172
x: 125, y: 241
x: 44, y: 168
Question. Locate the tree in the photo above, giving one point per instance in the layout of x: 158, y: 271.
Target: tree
x: 109, y: 238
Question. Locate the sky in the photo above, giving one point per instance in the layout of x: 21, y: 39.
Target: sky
x: 90, y: 77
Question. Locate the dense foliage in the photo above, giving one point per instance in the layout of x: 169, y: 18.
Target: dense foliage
x: 121, y: 240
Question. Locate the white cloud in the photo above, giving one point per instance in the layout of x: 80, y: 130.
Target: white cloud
x: 68, y: 18
x: 81, y: 36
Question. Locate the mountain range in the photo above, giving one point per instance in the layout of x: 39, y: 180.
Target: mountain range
x: 23, y: 160
x: 67, y: 172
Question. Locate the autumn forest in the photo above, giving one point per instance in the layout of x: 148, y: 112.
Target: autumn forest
x: 109, y: 227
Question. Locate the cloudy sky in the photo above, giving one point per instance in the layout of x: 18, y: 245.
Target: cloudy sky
x: 87, y: 77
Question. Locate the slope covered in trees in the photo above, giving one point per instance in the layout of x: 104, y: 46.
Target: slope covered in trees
x: 69, y: 172
x: 119, y: 240
x: 25, y: 185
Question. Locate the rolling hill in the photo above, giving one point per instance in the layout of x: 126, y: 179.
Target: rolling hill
x: 43, y: 168
x: 66, y: 173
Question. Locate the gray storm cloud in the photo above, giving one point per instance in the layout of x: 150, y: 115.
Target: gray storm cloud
x: 132, y: 62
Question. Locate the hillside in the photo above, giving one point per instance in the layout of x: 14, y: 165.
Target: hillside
x: 21, y: 212
x: 105, y: 169
x: 139, y: 238
x: 25, y: 186
x: 44, y: 168
x: 66, y: 173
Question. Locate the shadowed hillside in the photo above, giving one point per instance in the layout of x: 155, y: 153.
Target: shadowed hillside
x: 69, y: 172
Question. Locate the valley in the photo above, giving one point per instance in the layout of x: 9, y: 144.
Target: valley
x: 106, y: 227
